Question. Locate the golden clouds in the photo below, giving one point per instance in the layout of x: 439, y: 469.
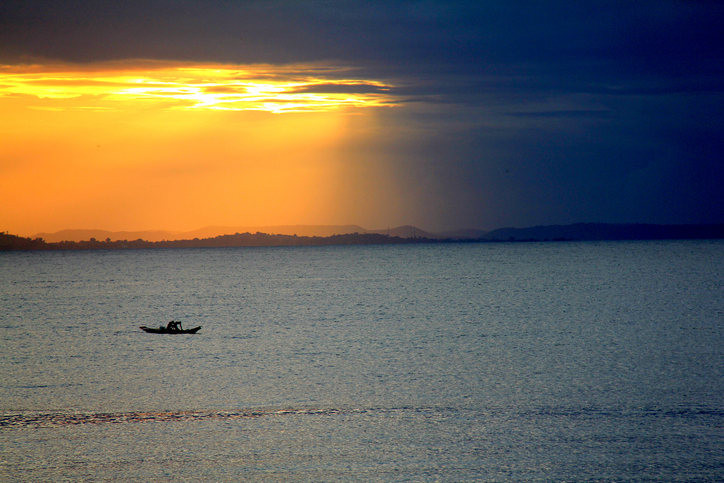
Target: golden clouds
x: 310, y: 88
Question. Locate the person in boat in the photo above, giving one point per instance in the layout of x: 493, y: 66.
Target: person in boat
x: 174, y: 326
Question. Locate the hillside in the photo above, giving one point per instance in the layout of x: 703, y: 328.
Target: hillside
x: 206, y: 232
x: 344, y: 235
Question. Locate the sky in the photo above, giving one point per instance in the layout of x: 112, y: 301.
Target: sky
x: 176, y: 115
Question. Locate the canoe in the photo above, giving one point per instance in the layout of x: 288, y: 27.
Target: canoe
x: 164, y: 330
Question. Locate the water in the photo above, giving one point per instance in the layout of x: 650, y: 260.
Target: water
x: 471, y: 362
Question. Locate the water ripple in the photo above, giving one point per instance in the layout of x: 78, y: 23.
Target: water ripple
x: 32, y: 420
x: 59, y: 419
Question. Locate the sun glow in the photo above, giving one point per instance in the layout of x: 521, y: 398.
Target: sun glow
x: 199, y: 87
x: 151, y: 145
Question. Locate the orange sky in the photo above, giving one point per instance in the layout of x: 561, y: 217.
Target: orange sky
x: 152, y: 145
x: 156, y: 115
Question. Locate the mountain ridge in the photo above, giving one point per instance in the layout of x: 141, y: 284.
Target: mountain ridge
x: 204, y: 232
x: 405, y: 231
x: 571, y: 232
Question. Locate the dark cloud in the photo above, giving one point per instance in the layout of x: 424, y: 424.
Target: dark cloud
x: 515, y: 112
x: 517, y: 46
x: 341, y: 89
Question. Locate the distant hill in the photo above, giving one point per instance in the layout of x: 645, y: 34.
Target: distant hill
x: 207, y: 232
x: 351, y: 234
x: 406, y: 231
x: 299, y: 230
x: 14, y: 242
x: 605, y: 231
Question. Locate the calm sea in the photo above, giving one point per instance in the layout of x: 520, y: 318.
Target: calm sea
x: 507, y: 362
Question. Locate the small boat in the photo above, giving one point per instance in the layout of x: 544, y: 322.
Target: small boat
x: 166, y: 330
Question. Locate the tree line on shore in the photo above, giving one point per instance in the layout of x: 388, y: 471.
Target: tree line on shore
x: 574, y: 232
x: 14, y: 242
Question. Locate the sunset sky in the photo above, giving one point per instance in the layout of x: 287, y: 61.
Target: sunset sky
x: 175, y: 115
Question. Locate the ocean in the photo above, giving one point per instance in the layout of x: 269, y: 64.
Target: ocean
x: 480, y: 362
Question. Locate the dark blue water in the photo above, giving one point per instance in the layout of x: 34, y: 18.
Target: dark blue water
x: 474, y: 362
